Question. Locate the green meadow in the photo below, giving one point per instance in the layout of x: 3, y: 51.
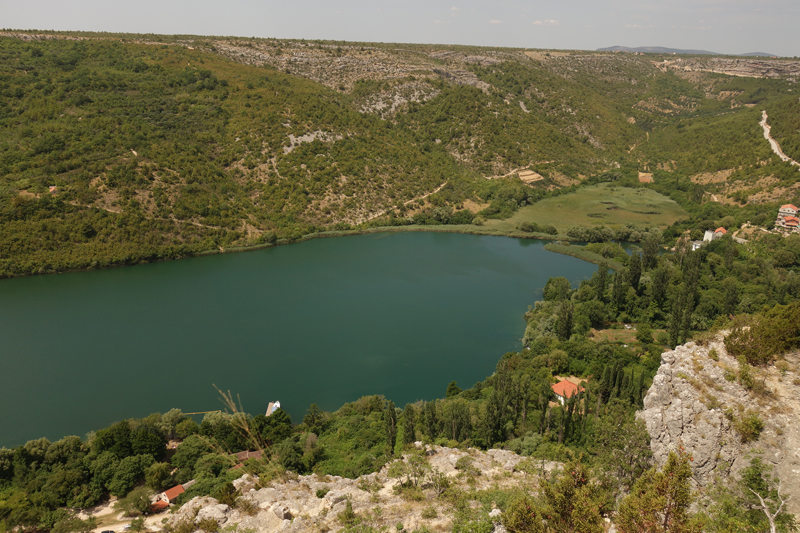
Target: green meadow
x: 598, y: 205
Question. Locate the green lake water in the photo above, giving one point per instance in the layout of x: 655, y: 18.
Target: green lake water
x: 325, y: 321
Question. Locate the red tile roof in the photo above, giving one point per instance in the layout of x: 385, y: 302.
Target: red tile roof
x: 566, y: 389
x: 789, y: 206
x: 158, y: 506
x: 720, y: 230
x: 174, y: 492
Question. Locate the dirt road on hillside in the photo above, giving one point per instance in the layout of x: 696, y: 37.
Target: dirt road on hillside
x: 773, y: 143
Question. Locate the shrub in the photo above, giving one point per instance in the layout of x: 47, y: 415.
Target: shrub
x: 429, y: 512
x: 749, y: 425
x: 209, y: 525
x: 767, y: 335
x: 322, y: 491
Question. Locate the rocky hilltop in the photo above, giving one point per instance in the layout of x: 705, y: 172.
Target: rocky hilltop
x: 698, y: 401
x: 315, y: 503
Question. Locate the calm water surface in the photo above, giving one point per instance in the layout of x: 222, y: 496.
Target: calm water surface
x: 325, y: 321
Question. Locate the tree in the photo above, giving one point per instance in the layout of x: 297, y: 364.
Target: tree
x: 557, y: 289
x: 410, y: 416
x: 129, y: 472
x: 622, y: 446
x: 730, y: 292
x: 456, y: 419
x: 651, y: 245
x: 659, y: 285
x: 635, y: 271
x: 116, y: 439
x: 602, y: 281
x: 137, y: 502
x: 414, y: 469
x: 453, y: 390
x: 563, y: 324
x: 313, y: 417
x: 72, y: 524
x: 390, y: 425
x: 644, y: 333
x: 190, y: 451
x: 157, y: 476
x: 570, y: 503
x: 273, y: 428
x: 660, y: 500
x: 618, y: 289
x: 753, y: 503
x: 147, y: 440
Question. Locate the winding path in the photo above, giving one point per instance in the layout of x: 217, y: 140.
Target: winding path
x: 381, y: 213
x: 772, y: 142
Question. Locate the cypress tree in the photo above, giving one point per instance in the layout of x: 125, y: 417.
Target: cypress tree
x: 602, y: 280
x: 635, y: 271
x: 618, y: 289
x: 390, y: 423
x: 409, y: 424
x: 640, y: 390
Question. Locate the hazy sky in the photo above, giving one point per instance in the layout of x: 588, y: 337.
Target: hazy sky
x: 724, y: 26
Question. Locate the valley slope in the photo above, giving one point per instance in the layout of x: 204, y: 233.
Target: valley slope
x: 117, y: 149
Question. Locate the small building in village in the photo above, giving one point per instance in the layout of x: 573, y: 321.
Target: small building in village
x: 788, y: 218
x: 566, y: 389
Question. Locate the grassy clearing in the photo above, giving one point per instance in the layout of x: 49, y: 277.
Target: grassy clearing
x: 582, y: 253
x: 598, y: 205
x: 618, y: 336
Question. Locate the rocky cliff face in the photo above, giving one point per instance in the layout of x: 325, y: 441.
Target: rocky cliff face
x: 750, y: 68
x: 295, y: 506
x: 697, y: 402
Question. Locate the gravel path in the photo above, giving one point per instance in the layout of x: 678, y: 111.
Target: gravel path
x: 772, y: 142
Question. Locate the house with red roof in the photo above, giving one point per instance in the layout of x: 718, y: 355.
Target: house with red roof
x: 165, y: 498
x: 565, y: 389
x: 719, y: 232
x: 172, y: 494
x: 788, y: 217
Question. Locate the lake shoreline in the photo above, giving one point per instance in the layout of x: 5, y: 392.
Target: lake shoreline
x: 461, y: 229
x: 327, y: 322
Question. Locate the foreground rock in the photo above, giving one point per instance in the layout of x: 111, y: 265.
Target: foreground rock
x: 314, y: 503
x: 696, y: 401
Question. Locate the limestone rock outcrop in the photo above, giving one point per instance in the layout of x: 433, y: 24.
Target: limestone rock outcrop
x: 314, y: 503
x: 696, y: 401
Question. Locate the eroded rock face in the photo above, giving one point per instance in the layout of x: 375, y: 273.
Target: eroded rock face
x: 749, y: 68
x: 694, y: 402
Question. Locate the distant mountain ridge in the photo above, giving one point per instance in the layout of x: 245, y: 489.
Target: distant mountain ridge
x: 664, y: 50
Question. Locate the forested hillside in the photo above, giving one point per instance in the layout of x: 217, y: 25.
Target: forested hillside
x: 116, y: 149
